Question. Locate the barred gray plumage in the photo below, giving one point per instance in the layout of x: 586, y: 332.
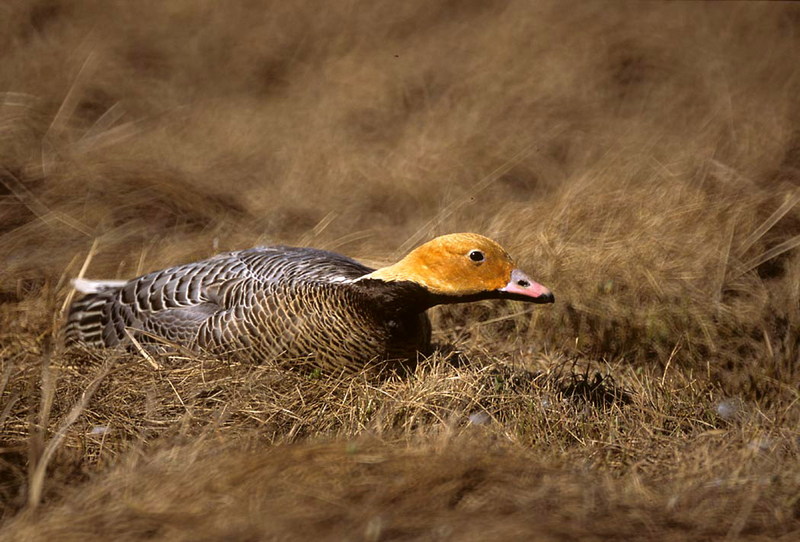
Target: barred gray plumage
x: 299, y: 303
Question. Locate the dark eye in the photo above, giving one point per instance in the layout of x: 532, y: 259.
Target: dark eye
x: 476, y: 256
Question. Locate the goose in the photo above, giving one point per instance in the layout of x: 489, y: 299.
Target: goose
x: 300, y: 304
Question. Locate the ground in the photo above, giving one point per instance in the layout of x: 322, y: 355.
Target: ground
x: 640, y: 159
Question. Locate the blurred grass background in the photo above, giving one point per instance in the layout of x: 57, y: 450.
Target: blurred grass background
x: 641, y: 159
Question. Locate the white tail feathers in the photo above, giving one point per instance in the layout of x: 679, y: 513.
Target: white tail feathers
x: 86, y: 286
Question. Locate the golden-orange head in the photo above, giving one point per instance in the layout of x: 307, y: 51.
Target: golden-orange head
x: 464, y: 265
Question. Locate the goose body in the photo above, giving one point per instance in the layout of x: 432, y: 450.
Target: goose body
x: 299, y: 303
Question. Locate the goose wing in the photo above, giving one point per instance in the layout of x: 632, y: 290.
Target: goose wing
x: 174, y: 303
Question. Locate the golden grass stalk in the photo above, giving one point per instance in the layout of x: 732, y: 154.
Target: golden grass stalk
x: 40, y: 462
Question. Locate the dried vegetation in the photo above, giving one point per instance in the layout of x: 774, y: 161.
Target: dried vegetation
x: 642, y: 160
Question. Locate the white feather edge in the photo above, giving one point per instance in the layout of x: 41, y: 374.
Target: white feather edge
x: 87, y: 286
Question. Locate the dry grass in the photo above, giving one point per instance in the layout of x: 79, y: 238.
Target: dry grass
x: 642, y: 160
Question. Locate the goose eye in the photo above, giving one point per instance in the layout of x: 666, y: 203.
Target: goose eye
x: 476, y: 256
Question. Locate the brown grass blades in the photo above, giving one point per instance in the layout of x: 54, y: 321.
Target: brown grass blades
x: 464, y: 486
x: 789, y: 203
x: 15, y: 187
x: 40, y: 462
x: 435, y: 224
x: 771, y: 253
x: 644, y: 163
x: 11, y: 400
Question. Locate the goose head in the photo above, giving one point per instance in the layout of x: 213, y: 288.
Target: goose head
x: 464, y: 267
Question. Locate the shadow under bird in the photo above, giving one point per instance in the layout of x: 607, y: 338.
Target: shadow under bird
x: 284, y: 302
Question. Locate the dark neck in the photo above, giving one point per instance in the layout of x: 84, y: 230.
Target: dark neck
x: 406, y: 296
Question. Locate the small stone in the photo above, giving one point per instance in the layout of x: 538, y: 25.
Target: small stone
x: 729, y: 409
x: 479, y: 418
x: 764, y: 444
